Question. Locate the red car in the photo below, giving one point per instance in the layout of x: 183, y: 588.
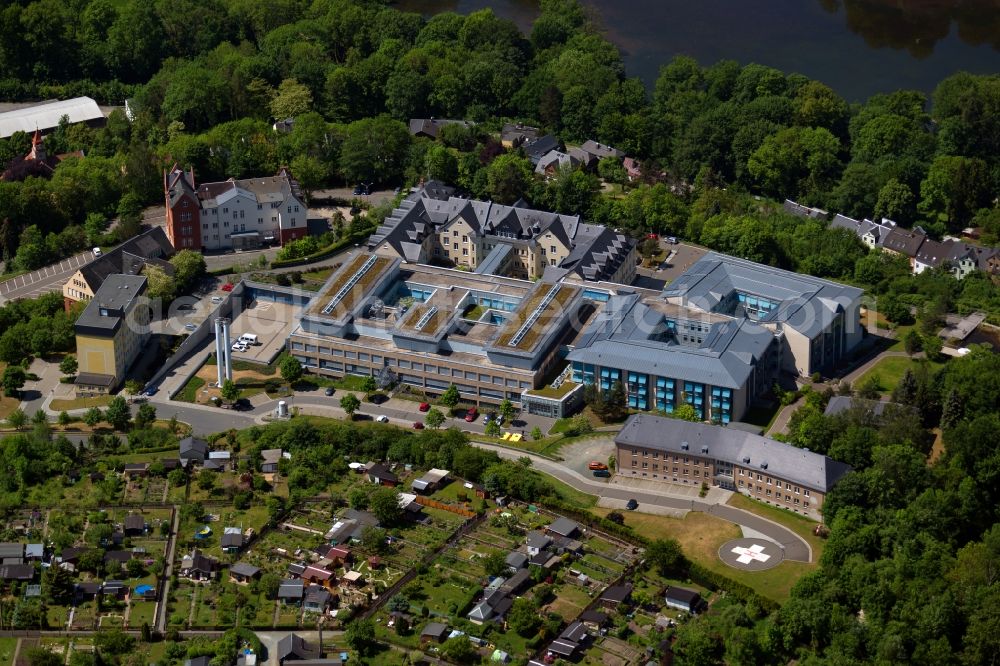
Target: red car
x: 652, y: 236
x: 417, y: 425
x: 228, y: 286
x: 471, y: 415
x: 425, y: 406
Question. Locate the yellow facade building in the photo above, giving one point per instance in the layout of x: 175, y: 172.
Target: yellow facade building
x: 110, y: 334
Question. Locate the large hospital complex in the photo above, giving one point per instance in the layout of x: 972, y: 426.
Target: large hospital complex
x: 509, y: 302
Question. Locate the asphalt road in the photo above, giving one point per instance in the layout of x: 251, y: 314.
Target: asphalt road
x: 206, y: 420
x: 794, y: 546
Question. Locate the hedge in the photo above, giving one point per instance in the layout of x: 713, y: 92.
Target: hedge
x: 743, y: 593
x: 326, y: 252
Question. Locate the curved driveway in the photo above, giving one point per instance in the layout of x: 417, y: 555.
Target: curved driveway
x: 795, y: 547
x: 206, y: 419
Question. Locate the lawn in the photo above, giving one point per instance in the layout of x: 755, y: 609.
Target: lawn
x: 7, y: 648
x: 795, y: 522
x: 701, y: 535
x: 891, y: 369
x: 142, y: 612
x: 80, y: 403
x: 550, y: 392
x: 320, y: 274
x: 568, y: 600
x: 571, y: 495
x: 190, y: 391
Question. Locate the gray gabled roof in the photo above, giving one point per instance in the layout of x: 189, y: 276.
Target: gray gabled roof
x: 564, y: 527
x: 681, y: 594
x: 807, y: 304
x: 904, y: 241
x: 244, y: 569
x: 537, y: 539
x: 128, y: 258
x: 842, y: 403
x: 291, y: 588
x: 516, y: 559
x: 788, y: 462
x: 628, y: 335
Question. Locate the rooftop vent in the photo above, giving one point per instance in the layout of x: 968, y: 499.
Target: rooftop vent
x: 763, y: 465
x: 746, y: 460
x: 704, y: 449
x: 685, y: 446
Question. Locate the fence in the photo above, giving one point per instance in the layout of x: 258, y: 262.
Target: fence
x: 425, y: 561
x: 427, y: 501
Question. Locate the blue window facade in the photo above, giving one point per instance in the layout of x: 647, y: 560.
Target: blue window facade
x: 722, y: 405
x: 583, y: 373
x: 609, y: 376
x: 757, y: 306
x: 596, y: 295
x: 637, y: 390
x: 694, y: 394
x: 666, y: 396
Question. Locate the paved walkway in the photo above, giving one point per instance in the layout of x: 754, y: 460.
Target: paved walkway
x: 780, y: 424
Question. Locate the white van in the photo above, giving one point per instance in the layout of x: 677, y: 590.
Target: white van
x: 249, y: 338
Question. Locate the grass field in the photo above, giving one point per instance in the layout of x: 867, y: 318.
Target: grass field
x: 190, y: 391
x: 80, y: 403
x: 571, y: 495
x: 701, y: 535
x: 7, y: 648
x: 891, y: 369
x: 795, y: 522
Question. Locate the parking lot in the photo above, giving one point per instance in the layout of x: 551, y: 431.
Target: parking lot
x: 683, y: 256
x: 271, y: 322
x: 579, y: 454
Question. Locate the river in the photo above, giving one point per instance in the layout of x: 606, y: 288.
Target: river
x: 858, y: 47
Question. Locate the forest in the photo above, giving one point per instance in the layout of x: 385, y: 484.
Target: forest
x: 716, y: 143
x: 909, y: 572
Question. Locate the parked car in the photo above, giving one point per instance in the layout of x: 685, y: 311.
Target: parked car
x: 632, y: 505
x: 150, y: 392
x: 602, y: 473
x: 487, y: 418
x: 594, y: 464
x: 190, y: 327
x: 228, y: 286
x: 216, y: 299
x: 471, y: 415
x: 329, y: 390
x: 672, y: 240
x: 239, y: 346
x: 425, y: 406
x: 382, y: 418
x: 499, y: 419
x: 97, y: 251
x: 358, y: 189
x: 652, y: 237
x: 242, y: 405
x: 417, y: 425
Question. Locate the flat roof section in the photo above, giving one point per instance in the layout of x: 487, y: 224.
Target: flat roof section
x: 271, y: 322
x: 536, y: 315
x: 350, y: 285
x: 432, y: 317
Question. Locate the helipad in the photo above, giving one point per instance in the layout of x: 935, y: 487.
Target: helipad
x: 751, y: 554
